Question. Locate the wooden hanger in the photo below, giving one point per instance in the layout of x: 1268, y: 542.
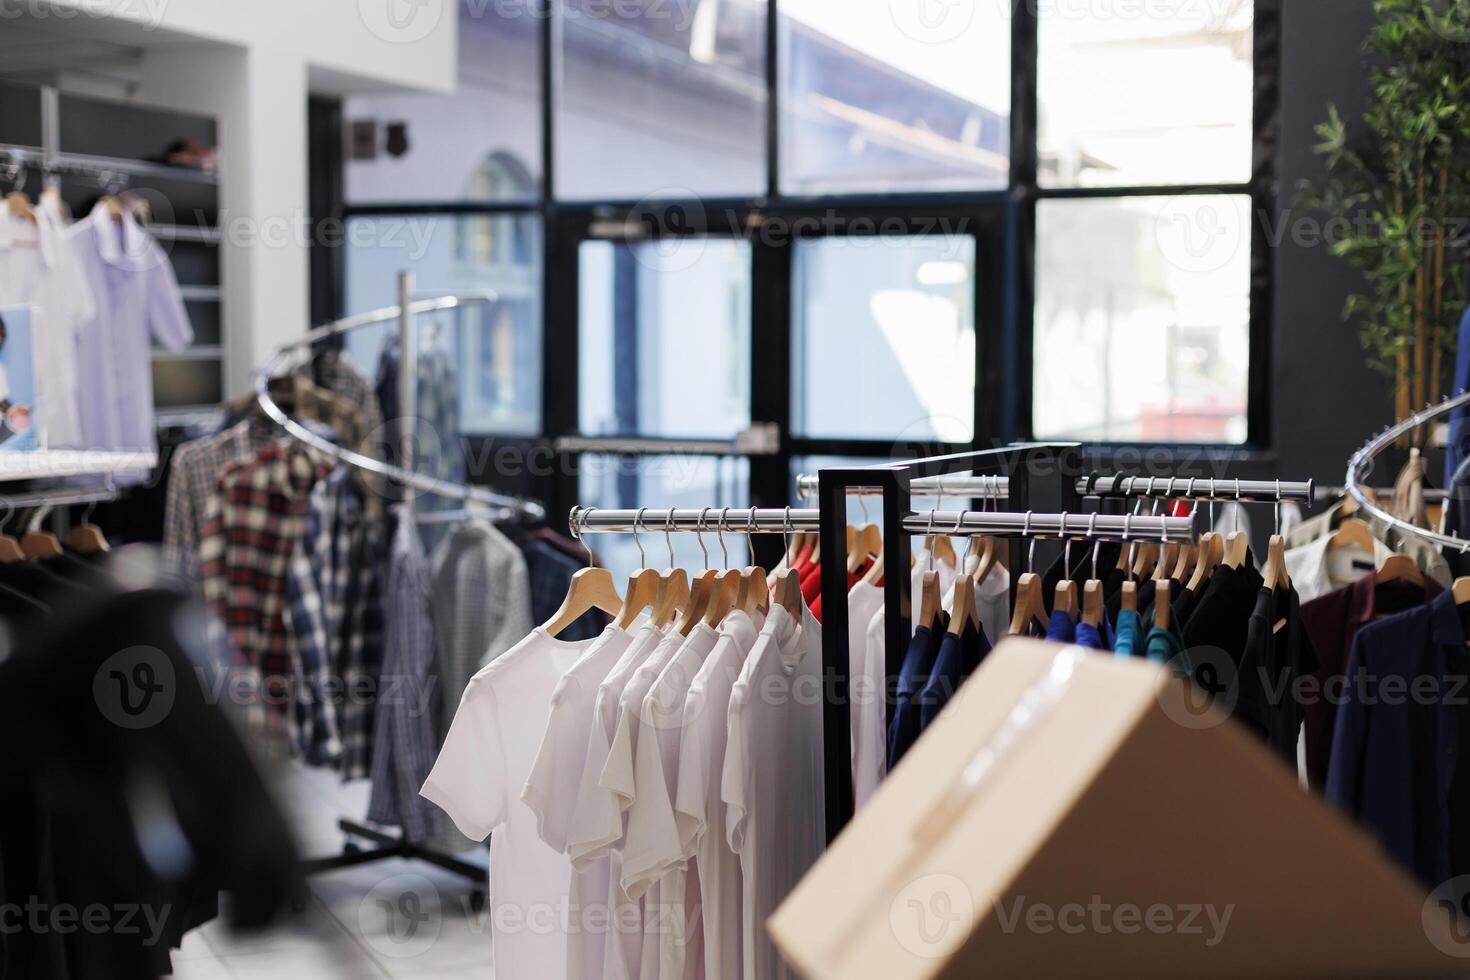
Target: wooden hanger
x: 1461, y: 591
x: 20, y: 206
x: 930, y: 600
x: 794, y: 548
x: 1399, y: 568
x: 591, y: 588
x: 10, y: 550
x: 1147, y: 558
x: 702, y: 589
x: 755, y: 591
x: 1237, y: 548
x: 1277, y: 576
x: 867, y: 543
x: 1168, y: 555
x: 87, y: 539
x: 672, y: 597
x: 788, y: 594
x: 988, y: 560
x: 40, y: 544
x: 1092, y: 603
x: 1029, y: 605
x: 1353, y: 533
x: 1211, y: 548
x: 1128, y: 597
x: 641, y: 594
x: 942, y: 548
x: 962, y: 609
x: 1162, y: 599
x: 1066, y: 598
x: 1188, y: 558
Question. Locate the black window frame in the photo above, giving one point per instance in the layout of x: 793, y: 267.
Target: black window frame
x: 1002, y: 221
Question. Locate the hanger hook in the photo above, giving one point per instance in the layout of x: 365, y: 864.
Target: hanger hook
x: 699, y: 533
x: 1277, y: 508
x: 1031, y: 553
x: 578, y: 530
x: 720, y: 533
x: 930, y: 535
x: 1132, y: 546
x: 1066, y: 549
x: 969, y: 538
x: 750, y: 537
x: 863, y: 504
x: 637, y: 520
x: 786, y: 531
x: 669, y: 538
x: 1096, y: 543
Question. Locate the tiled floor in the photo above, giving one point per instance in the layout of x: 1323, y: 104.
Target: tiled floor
x: 389, y: 920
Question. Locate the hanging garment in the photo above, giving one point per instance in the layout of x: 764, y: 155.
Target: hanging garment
x: 136, y: 301
x: 1130, y: 634
x: 437, y: 451
x: 1164, y: 646
x: 1332, y: 622
x: 39, y: 269
x: 477, y: 780
x: 597, y: 828
x: 336, y: 615
x: 1062, y: 628
x: 553, y: 781
x: 699, y: 813
x: 1400, y: 731
x: 958, y: 658
x: 867, y: 690
x: 1426, y: 555
x: 251, y: 528
x: 918, y: 664
x: 480, y: 604
x: 404, y: 735
x: 993, y: 602
x: 1278, y: 654
x: 654, y: 864
x: 773, y: 777
x: 194, y: 475
x: 1090, y: 637
x: 1221, y: 621
x: 1317, y: 568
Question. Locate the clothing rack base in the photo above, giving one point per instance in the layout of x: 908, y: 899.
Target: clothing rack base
x: 390, y: 847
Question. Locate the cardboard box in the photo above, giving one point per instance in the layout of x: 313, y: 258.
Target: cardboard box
x: 1129, y: 831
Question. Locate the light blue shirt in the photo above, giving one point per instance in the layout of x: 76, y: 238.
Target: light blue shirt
x: 136, y: 299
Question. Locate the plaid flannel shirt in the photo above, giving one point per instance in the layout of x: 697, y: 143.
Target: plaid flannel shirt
x: 336, y: 632
x: 194, y: 475
x: 404, y: 746
x: 251, y: 527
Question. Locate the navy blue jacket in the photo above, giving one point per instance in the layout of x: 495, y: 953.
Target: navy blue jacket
x: 1399, y: 734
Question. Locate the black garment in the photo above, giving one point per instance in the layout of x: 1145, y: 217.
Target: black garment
x: 1221, y: 619
x: 1147, y: 591
x: 133, y: 791
x: 1185, y: 601
x: 1278, y: 653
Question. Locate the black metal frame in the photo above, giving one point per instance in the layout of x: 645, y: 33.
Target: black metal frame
x: 1043, y: 478
x: 1004, y: 224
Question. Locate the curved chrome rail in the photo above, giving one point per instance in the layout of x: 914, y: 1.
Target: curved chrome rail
x: 418, y: 481
x: 1362, y: 460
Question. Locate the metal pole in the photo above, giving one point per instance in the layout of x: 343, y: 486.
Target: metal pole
x: 408, y: 378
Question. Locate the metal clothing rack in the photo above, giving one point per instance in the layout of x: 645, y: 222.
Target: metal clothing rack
x: 1094, y: 485
x: 1360, y: 467
x: 496, y: 506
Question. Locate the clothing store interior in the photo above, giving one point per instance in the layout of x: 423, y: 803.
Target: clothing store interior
x: 734, y: 489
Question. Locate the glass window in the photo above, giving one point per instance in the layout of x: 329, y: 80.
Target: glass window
x: 665, y: 338
x: 883, y: 335
x: 1143, y: 319
x: 480, y: 143
x: 496, y: 345
x: 894, y: 95
x: 1153, y: 93
x: 661, y: 98
x: 664, y: 481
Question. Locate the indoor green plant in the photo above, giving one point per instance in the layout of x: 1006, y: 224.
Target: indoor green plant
x: 1400, y: 187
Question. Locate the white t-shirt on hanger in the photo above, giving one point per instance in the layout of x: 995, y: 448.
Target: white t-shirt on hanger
x: 653, y: 861
x: 597, y: 826
x: 477, y: 778
x: 555, y: 777
x: 698, y: 810
x: 773, y: 781
x: 867, y: 691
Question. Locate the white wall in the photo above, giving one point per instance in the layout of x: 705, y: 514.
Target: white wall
x: 251, y: 66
